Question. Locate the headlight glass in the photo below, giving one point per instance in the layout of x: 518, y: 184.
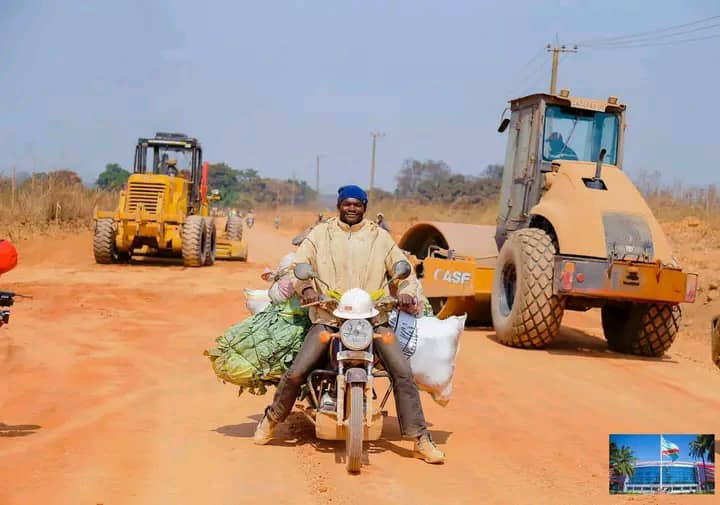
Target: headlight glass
x: 356, y: 334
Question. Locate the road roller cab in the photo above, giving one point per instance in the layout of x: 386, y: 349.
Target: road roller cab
x: 573, y: 233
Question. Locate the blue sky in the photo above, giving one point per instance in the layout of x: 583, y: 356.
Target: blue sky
x: 647, y: 447
x: 268, y: 85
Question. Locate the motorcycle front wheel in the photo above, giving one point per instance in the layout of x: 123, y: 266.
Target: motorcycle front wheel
x: 354, y: 430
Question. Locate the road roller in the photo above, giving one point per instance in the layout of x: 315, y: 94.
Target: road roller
x: 572, y: 233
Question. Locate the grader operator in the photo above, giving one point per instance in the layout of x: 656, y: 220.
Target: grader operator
x: 573, y: 233
x: 164, y: 208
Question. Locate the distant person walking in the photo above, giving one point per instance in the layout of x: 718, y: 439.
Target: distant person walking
x: 381, y: 222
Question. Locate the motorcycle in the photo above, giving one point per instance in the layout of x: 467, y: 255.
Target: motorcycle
x: 7, y: 299
x: 340, y: 398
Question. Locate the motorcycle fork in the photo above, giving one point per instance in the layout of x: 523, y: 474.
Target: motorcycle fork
x: 341, y: 399
x: 369, y: 388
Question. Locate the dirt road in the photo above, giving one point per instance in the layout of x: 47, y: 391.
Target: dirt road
x: 106, y: 398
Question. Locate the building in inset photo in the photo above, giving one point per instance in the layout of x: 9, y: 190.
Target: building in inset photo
x: 683, y: 464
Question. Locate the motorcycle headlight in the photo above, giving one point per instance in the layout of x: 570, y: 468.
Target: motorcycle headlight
x: 356, y: 334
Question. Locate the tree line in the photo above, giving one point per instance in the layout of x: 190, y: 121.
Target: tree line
x: 424, y: 181
x: 434, y: 181
x: 238, y: 188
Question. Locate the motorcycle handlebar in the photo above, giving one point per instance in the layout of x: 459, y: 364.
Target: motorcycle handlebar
x: 7, y: 298
x: 387, y: 303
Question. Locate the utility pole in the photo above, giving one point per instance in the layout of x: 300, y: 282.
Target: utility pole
x: 14, y: 185
x: 375, y: 136
x: 556, y: 50
x: 317, y: 175
x: 292, y: 190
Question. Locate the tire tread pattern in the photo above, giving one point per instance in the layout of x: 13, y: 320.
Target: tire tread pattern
x: 104, y: 242
x: 642, y: 329
x: 210, y: 241
x: 355, y: 429
x: 234, y: 228
x: 193, y: 233
x: 541, y: 311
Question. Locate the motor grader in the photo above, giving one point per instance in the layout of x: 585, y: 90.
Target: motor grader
x: 572, y: 233
x: 163, y: 209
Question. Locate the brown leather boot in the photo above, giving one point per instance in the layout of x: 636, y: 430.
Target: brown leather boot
x: 426, y: 449
x: 264, y: 431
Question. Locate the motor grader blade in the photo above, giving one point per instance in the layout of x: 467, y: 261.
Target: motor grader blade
x: 233, y: 250
x: 455, y: 265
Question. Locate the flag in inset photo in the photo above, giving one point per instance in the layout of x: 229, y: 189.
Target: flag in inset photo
x: 669, y: 449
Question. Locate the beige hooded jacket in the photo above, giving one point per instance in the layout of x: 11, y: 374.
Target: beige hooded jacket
x: 346, y: 257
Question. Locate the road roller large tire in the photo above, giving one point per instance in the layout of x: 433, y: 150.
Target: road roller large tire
x: 525, y: 312
x: 104, y: 247
x: 643, y: 329
x: 194, y: 241
x: 211, y: 241
x: 234, y: 228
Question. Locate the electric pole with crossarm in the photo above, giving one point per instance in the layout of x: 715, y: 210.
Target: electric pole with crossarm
x: 375, y: 136
x: 556, y: 50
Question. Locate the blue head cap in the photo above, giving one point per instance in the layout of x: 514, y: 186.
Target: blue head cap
x: 356, y: 192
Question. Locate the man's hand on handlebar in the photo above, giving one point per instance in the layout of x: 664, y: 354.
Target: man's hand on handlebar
x: 406, y: 302
x: 309, y: 295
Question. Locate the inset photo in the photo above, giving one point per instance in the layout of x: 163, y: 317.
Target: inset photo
x: 662, y: 464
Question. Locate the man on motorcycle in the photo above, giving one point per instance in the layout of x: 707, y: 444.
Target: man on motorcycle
x: 351, y: 252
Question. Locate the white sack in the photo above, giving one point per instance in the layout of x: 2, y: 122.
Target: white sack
x: 431, y: 345
x: 257, y: 300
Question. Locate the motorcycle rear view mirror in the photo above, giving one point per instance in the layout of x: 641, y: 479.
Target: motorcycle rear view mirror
x: 401, y: 270
x: 303, y: 271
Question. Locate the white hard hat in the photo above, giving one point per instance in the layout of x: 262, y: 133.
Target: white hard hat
x: 355, y: 304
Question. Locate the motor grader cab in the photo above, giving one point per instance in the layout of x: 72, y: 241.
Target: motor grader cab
x: 164, y: 209
x: 573, y: 233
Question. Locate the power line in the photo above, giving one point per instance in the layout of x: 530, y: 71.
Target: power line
x: 539, y: 76
x: 653, y: 38
x: 654, y: 44
x: 526, y: 66
x: 601, y: 40
x: 532, y: 70
x: 535, y: 67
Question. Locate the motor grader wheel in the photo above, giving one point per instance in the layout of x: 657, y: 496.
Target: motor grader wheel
x: 211, y: 241
x: 104, y: 248
x: 234, y: 228
x: 525, y: 312
x: 194, y: 241
x: 643, y: 329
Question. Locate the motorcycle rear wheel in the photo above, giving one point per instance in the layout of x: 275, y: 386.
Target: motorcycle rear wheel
x: 354, y: 431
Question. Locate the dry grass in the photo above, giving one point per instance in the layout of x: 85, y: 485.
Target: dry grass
x: 668, y: 209
x: 47, y: 206
x: 395, y: 212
